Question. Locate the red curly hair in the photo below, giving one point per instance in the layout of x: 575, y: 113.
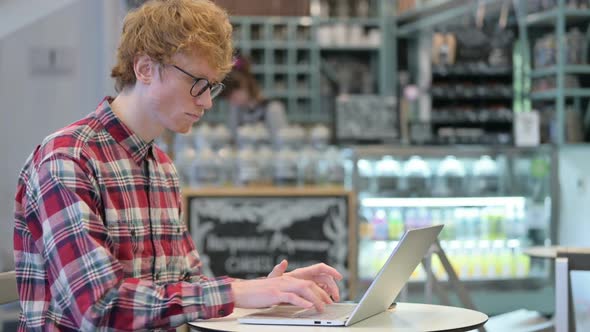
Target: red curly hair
x: 163, y: 28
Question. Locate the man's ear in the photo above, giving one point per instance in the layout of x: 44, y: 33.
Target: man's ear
x: 144, y: 68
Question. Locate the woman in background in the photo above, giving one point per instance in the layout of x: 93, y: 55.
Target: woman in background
x: 247, y: 105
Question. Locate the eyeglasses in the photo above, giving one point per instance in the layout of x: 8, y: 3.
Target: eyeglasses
x: 200, y: 85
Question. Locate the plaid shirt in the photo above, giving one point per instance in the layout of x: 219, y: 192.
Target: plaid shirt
x: 99, y: 242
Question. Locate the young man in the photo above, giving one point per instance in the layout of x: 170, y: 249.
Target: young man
x: 99, y: 241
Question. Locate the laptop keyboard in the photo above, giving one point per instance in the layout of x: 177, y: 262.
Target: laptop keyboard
x: 330, y: 312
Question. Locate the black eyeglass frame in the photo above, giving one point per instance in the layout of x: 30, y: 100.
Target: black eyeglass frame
x: 214, y: 88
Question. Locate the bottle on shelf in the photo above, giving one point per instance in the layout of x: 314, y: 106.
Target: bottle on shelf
x: 365, y: 225
x: 448, y: 219
x: 396, y: 224
x: 411, y: 219
x: 380, y: 225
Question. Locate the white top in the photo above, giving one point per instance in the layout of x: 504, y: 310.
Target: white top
x: 404, y: 317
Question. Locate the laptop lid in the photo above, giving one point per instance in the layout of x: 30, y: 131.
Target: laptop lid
x: 380, y: 295
x: 394, y: 274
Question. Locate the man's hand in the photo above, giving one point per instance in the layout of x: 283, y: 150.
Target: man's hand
x: 259, y: 293
x: 321, y: 274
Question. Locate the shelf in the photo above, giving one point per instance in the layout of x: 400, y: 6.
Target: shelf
x: 438, y: 12
x: 274, y: 44
x: 480, y: 118
x: 568, y: 69
x: 288, y: 94
x: 506, y: 124
x: 430, y: 8
x: 476, y: 71
x: 443, y: 201
x: 350, y: 48
x: 370, y: 21
x: 549, y: 17
x: 471, y: 97
x: 282, y: 69
x: 552, y: 94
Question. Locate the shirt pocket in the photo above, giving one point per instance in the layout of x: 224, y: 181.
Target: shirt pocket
x: 175, y: 250
x: 126, y: 233
x: 119, y: 230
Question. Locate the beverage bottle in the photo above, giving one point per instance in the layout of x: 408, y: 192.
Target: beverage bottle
x: 522, y: 263
x: 450, y: 229
x: 486, y: 224
x: 381, y: 229
x: 396, y: 224
x: 411, y: 219
x: 436, y: 216
x: 424, y: 218
x: 366, y: 230
x: 461, y: 221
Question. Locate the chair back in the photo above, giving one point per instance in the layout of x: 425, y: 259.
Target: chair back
x: 8, y: 292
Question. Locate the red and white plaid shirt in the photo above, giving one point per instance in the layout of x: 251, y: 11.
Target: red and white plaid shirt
x: 99, y: 242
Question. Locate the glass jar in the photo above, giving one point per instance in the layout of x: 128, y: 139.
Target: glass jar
x: 285, y: 167
x: 247, y: 171
x: 227, y: 165
x: 388, y: 173
x: 220, y: 137
x: 265, y: 164
x: 331, y: 167
x: 485, y: 179
x: 417, y: 176
x: 366, y: 172
x: 205, y: 169
x: 307, y: 166
x: 451, y: 177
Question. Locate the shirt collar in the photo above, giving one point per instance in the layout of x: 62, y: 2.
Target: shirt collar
x: 131, y: 142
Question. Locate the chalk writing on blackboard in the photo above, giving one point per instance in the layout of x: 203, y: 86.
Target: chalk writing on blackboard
x: 245, y: 237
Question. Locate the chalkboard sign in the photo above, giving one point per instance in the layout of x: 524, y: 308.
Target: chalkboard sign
x: 245, y: 233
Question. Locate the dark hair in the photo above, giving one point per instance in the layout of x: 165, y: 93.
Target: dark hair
x: 241, y: 77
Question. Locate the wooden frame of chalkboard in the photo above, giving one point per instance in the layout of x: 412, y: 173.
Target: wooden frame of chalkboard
x: 244, y: 232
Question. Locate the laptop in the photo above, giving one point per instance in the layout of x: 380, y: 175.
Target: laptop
x: 379, y: 297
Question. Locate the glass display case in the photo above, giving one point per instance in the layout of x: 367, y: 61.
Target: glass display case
x: 494, y: 202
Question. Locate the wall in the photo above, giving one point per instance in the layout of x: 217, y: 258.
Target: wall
x: 574, y: 220
x: 39, y: 95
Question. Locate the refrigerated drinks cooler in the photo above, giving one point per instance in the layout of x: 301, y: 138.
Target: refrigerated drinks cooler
x: 494, y: 203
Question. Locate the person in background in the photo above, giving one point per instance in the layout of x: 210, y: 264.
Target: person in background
x: 247, y: 104
x: 99, y: 238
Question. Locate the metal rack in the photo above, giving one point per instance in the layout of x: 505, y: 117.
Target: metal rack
x: 287, y: 58
x: 454, y: 100
x: 556, y: 20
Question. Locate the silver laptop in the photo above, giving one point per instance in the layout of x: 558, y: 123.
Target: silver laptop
x: 379, y: 297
